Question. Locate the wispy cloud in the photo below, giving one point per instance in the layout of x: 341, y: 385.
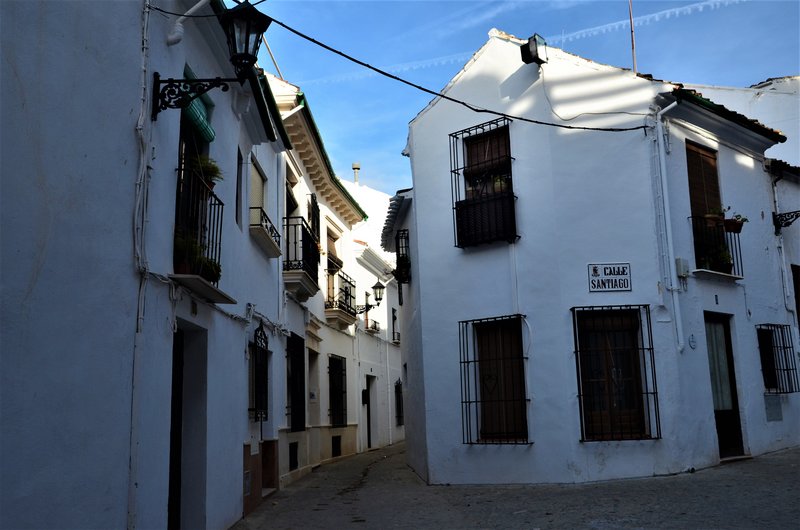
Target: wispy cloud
x: 644, y: 20
x: 461, y: 58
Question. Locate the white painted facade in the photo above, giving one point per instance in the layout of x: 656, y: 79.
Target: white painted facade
x: 589, y: 197
x: 371, y: 358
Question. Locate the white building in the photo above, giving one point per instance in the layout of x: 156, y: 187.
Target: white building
x: 341, y: 365
x: 579, y: 314
x: 145, y: 321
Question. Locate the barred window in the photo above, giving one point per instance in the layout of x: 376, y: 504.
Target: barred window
x: 493, y: 398
x: 337, y: 390
x: 778, y: 366
x: 616, y: 373
x: 296, y: 382
x: 483, y: 195
x: 259, y: 376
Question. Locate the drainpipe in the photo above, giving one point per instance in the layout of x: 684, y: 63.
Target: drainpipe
x: 176, y: 35
x: 662, y: 159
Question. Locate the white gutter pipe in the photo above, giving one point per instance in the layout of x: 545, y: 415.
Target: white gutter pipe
x: 176, y: 35
x: 673, y: 275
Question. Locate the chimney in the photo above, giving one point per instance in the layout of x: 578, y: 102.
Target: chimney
x: 356, y: 167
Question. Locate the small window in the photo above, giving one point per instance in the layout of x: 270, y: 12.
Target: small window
x: 337, y: 389
x: 778, y: 366
x: 239, y: 168
x: 403, y: 271
x: 483, y: 194
x: 493, y: 398
x: 259, y: 376
x: 616, y: 373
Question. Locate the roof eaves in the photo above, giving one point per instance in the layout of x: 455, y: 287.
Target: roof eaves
x: 302, y: 101
x: 691, y: 96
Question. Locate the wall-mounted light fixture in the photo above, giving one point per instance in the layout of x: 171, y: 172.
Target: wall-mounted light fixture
x: 377, y: 292
x: 535, y: 51
x: 244, y: 26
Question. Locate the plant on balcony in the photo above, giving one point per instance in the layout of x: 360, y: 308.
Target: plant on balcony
x: 187, y: 252
x: 208, y: 269
x: 720, y: 259
x: 189, y: 259
x: 735, y: 222
x: 205, y: 168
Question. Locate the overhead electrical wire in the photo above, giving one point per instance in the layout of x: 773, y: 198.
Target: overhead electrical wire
x: 421, y: 88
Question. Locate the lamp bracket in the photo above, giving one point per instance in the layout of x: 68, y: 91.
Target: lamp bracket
x: 360, y: 309
x: 179, y: 93
x: 782, y: 220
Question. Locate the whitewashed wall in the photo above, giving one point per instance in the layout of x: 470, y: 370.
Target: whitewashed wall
x: 84, y: 395
x: 583, y: 197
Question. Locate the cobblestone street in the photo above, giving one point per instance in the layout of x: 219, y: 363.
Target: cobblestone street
x: 378, y: 490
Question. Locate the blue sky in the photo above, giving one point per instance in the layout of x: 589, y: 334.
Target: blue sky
x: 364, y: 117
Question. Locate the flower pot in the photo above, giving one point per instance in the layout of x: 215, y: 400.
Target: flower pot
x: 733, y: 226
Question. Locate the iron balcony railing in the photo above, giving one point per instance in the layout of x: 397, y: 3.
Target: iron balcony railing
x: 485, y: 219
x: 341, y: 293
x: 258, y: 217
x: 198, y: 229
x: 396, y: 336
x: 716, y: 249
x: 302, y: 250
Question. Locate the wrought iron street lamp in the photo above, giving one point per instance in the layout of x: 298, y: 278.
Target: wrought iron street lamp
x: 377, y: 292
x: 244, y: 26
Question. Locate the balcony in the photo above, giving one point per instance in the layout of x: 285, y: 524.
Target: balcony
x: 301, y: 259
x: 485, y: 219
x: 198, y: 239
x: 716, y: 250
x: 396, y: 337
x: 264, y: 233
x: 373, y: 327
x: 340, y: 304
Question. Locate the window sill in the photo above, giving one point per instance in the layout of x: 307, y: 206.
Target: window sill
x: 715, y: 275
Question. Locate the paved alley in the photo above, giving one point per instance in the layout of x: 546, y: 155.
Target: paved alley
x: 378, y: 490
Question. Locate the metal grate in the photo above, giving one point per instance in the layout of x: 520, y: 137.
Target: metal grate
x: 302, y: 252
x: 615, y: 366
x: 494, y: 405
x: 482, y: 187
x: 778, y: 365
x: 198, y: 228
x: 341, y: 292
x: 403, y: 271
x: 715, y: 248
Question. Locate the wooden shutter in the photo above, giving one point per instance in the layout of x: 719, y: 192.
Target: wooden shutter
x: 704, y: 193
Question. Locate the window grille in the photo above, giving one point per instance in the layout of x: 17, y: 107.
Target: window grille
x: 483, y: 194
x: 337, y: 389
x: 493, y: 397
x: 778, y: 365
x: 259, y: 376
x: 616, y: 373
x: 403, y: 271
x: 341, y: 292
x: 398, y: 403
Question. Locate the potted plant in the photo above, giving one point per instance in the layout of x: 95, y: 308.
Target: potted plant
x: 721, y: 260
x: 186, y: 254
x: 735, y: 222
x: 208, y: 269
x: 205, y: 168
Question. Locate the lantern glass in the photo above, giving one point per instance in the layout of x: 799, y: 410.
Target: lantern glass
x: 244, y: 26
x: 377, y: 291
